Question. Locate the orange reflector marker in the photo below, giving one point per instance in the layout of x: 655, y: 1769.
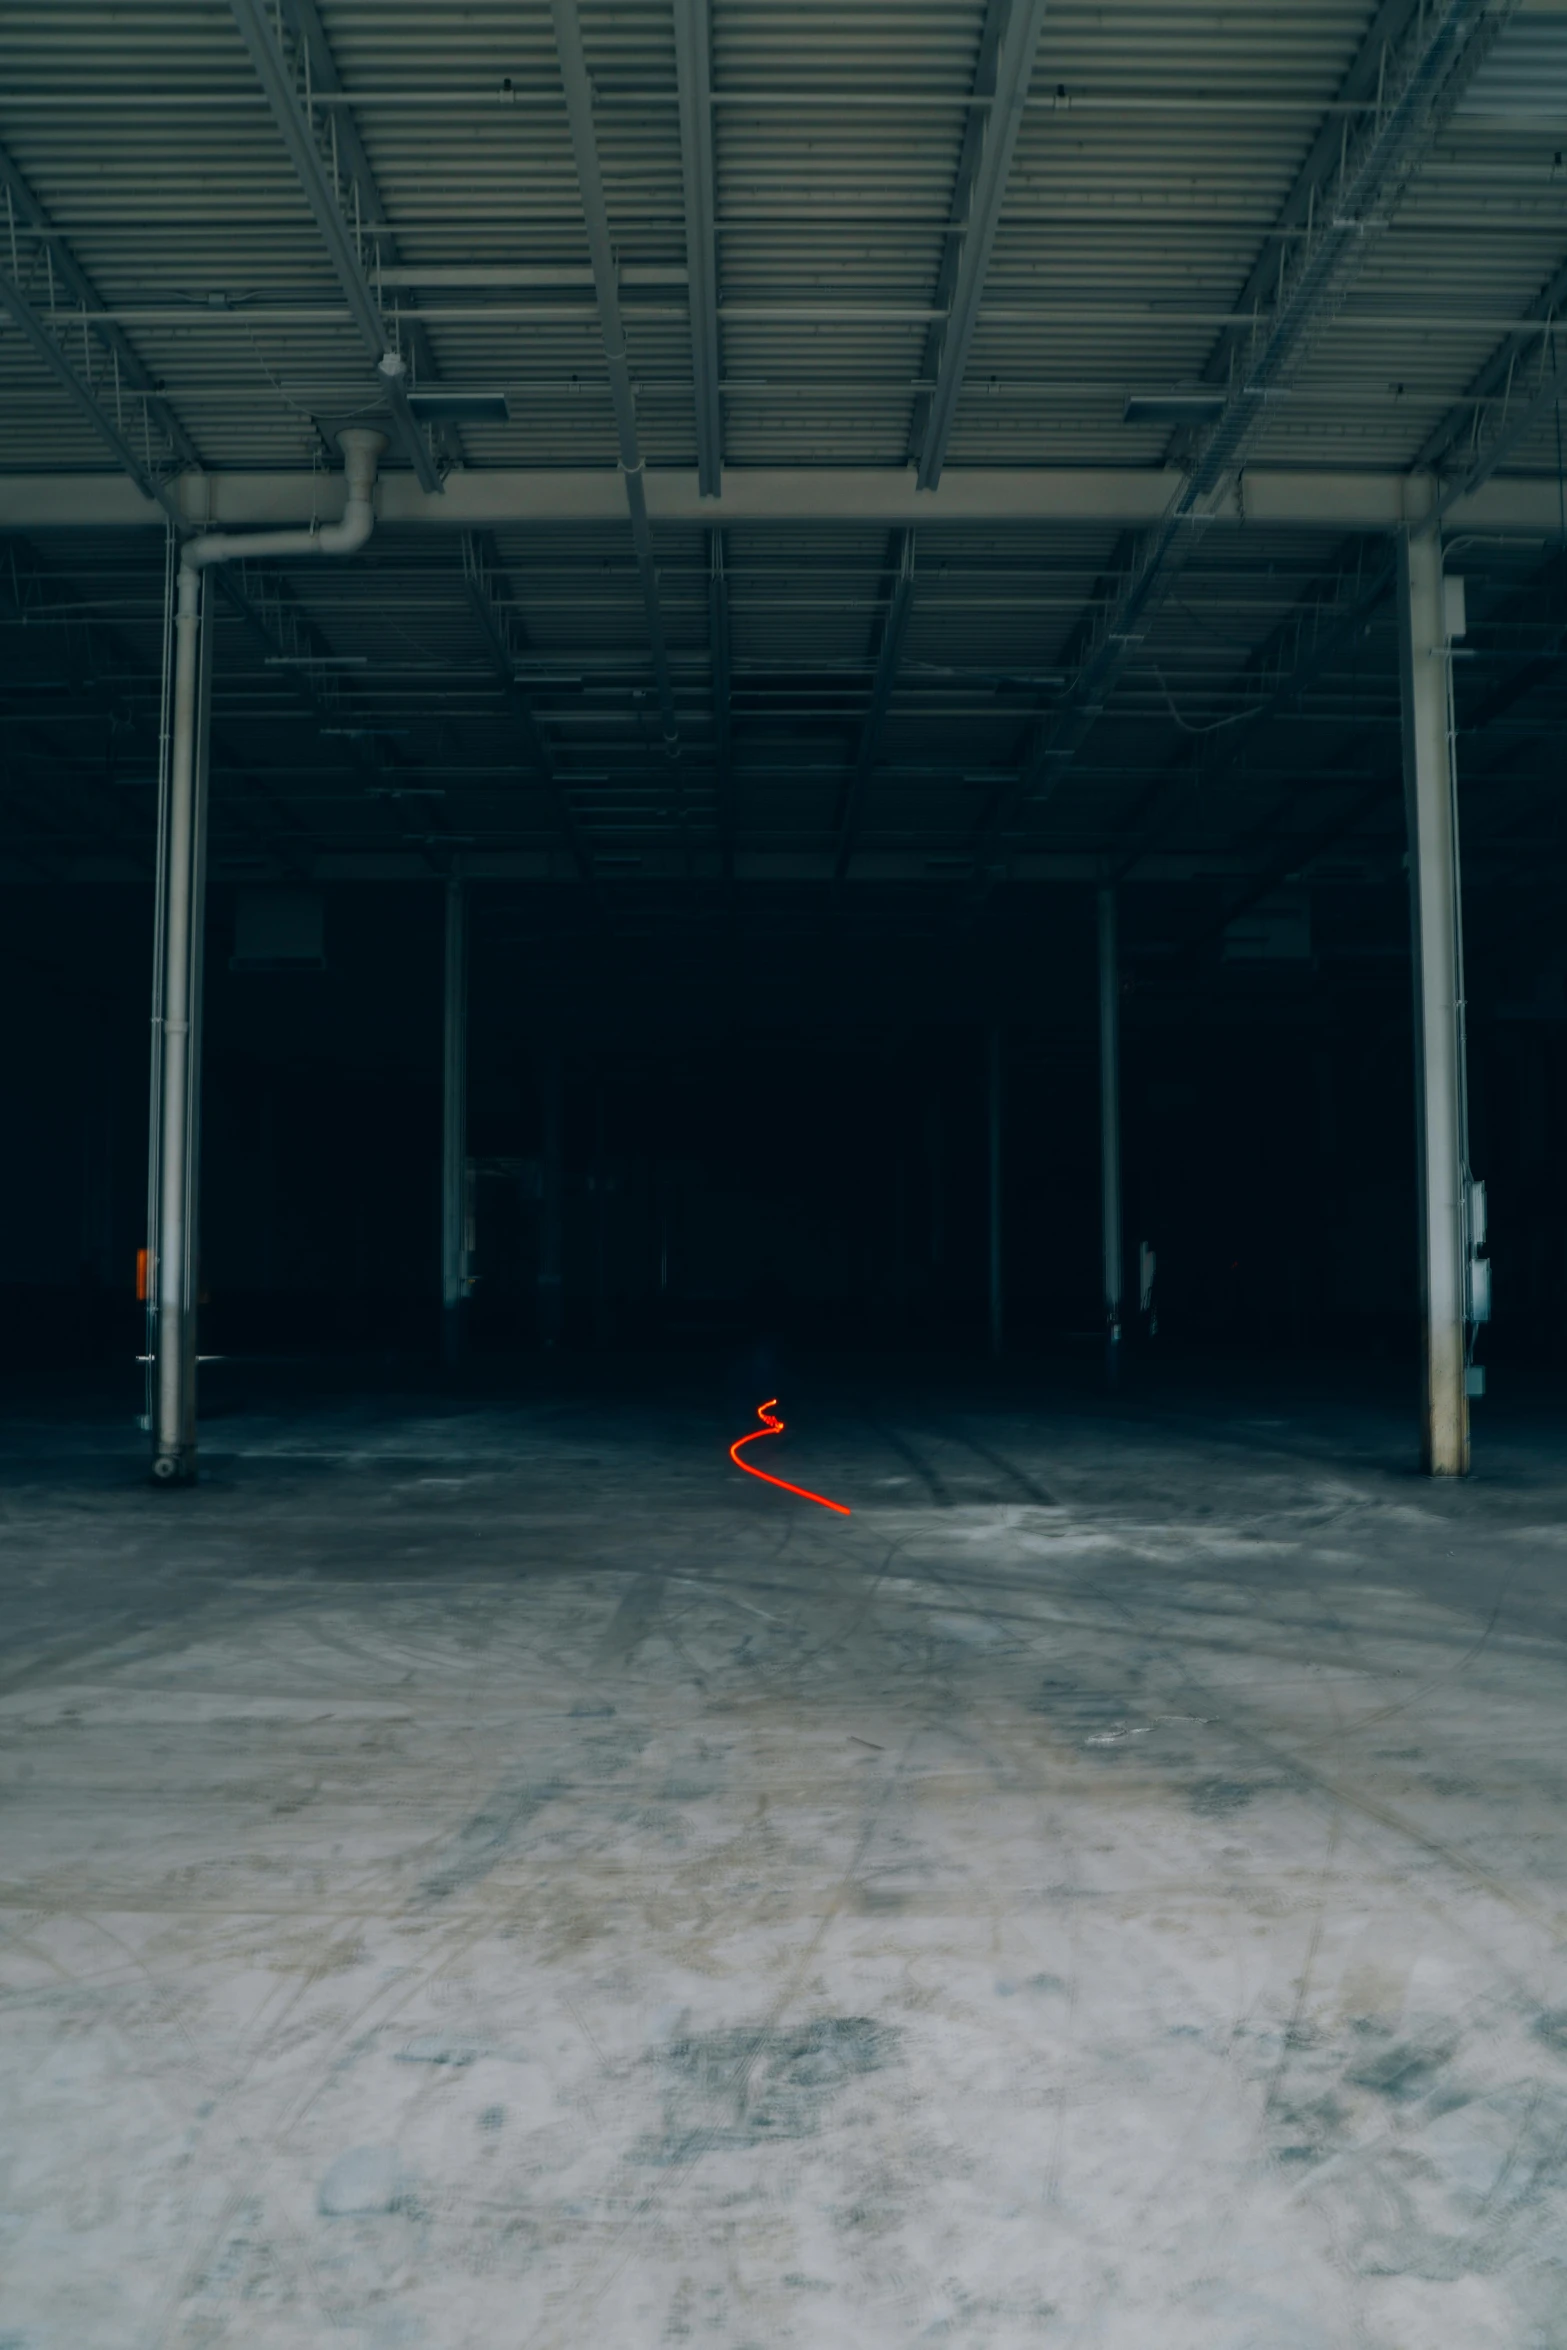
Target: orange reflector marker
x: 142, y: 1259
x: 773, y: 1426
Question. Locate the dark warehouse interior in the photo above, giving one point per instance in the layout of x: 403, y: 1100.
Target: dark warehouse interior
x: 784, y: 1447
x: 770, y: 1120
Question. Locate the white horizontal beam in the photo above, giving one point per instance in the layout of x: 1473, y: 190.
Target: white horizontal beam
x: 1118, y: 497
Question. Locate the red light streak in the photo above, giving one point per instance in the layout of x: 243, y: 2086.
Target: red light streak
x: 773, y: 1426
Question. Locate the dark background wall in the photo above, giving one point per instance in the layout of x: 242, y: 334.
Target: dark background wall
x: 774, y: 1122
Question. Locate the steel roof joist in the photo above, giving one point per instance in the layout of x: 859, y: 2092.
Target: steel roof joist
x: 1008, y: 43
x: 489, y: 600
x: 166, y: 445
x: 1361, y: 88
x: 260, y: 604
x: 894, y: 631
x: 277, y: 80
x: 584, y: 143
x: 693, y: 63
x: 719, y: 642
x: 304, y: 20
x: 1444, y: 48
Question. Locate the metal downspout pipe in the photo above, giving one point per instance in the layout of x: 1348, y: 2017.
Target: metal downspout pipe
x: 1437, y: 962
x: 361, y: 455
x: 173, y: 1272
x: 173, y: 1276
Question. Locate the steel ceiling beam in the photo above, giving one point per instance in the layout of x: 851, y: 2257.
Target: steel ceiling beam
x: 26, y: 565
x: 1006, y: 60
x: 1042, y: 317
x: 291, y: 637
x: 260, y: 604
x: 274, y: 72
x: 1382, y: 789
x: 1001, y: 76
x: 1313, y: 181
x: 1513, y: 427
x: 479, y: 571
x: 590, y: 180
x: 326, y: 83
x: 166, y: 445
x: 1494, y: 377
x: 91, y: 797
x: 958, y: 211
x: 1446, y: 46
x: 1303, y: 648
x: 718, y: 635
x: 894, y: 629
x: 1299, y: 854
x: 693, y: 68
x: 1124, y: 497
x: 36, y: 330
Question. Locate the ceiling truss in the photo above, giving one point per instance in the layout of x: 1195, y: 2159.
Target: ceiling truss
x: 828, y: 318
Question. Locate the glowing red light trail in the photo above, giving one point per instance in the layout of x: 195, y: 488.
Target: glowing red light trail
x: 773, y: 1426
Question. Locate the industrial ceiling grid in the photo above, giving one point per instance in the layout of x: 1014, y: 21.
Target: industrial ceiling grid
x: 1479, y: 234
x: 1157, y: 147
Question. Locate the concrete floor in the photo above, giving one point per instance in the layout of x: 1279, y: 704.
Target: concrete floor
x: 482, y: 1873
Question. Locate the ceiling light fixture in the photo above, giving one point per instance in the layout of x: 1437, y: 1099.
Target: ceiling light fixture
x: 447, y: 407
x: 1173, y: 408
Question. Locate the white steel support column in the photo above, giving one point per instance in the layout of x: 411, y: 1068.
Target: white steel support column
x: 1430, y: 798
x: 454, y: 1130
x: 1110, y: 1125
x: 172, y: 1240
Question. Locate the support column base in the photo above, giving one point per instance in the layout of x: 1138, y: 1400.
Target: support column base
x: 1444, y: 1447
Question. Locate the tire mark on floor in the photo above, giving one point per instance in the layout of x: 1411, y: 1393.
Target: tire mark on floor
x: 1020, y: 1477
x: 906, y: 1453
x: 634, y: 1619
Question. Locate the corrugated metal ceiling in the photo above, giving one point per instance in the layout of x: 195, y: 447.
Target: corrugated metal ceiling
x: 1158, y: 151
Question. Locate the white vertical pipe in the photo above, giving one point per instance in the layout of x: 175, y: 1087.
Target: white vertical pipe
x: 454, y: 1127
x: 175, y: 1143
x: 1110, y: 1123
x: 173, y: 1408
x: 1430, y: 800
x: 997, y: 1329
x: 159, y: 953
x: 197, y: 967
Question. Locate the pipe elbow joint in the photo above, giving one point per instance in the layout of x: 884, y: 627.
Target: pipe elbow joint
x: 349, y: 535
x: 362, y: 450
x: 361, y: 455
